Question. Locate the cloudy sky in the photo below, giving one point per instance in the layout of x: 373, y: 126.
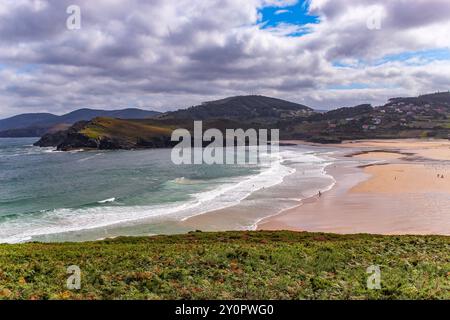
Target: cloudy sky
x: 167, y: 54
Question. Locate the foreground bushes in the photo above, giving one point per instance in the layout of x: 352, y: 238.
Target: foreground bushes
x: 231, y: 265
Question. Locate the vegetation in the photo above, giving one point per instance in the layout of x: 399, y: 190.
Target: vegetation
x: 109, y: 127
x: 38, y: 124
x: 231, y: 265
x: 242, y: 108
x: 425, y: 116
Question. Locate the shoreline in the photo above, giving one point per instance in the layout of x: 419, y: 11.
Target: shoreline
x: 301, y: 202
x: 380, y: 202
x: 352, y: 204
x: 309, y: 167
x: 273, y: 224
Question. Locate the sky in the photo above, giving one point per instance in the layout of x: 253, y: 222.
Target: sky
x: 170, y: 54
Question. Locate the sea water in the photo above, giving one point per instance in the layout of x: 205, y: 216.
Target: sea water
x: 46, y: 195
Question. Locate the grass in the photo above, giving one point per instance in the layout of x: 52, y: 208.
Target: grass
x: 101, y: 127
x: 231, y: 265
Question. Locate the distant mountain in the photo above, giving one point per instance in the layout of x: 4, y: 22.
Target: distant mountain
x: 89, y: 114
x: 37, y: 124
x: 426, y: 116
x: 242, y: 108
x: 26, y: 120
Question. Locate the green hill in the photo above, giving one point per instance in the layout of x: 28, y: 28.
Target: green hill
x: 425, y: 116
x: 38, y: 124
x: 109, y: 133
x: 242, y: 108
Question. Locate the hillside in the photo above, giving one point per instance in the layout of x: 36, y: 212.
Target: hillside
x: 109, y: 133
x: 230, y: 113
x: 230, y: 265
x: 242, y: 108
x: 36, y: 125
x: 439, y: 99
x: 420, y: 117
x: 427, y: 116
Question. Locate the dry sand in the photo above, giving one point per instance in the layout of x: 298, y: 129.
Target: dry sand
x: 406, y: 178
x: 399, y: 196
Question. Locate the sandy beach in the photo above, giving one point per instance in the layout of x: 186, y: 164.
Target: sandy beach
x: 405, y: 178
x: 405, y: 190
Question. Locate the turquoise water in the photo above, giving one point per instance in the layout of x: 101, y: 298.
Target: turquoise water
x: 44, y: 192
x: 36, y: 181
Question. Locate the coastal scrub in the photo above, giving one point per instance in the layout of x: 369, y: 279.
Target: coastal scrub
x: 230, y: 265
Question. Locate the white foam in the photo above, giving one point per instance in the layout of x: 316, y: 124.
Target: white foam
x: 107, y: 200
x: 225, y: 195
x: 89, y: 158
x: 319, y: 172
x: 66, y: 220
x: 185, y: 181
x: 28, y: 151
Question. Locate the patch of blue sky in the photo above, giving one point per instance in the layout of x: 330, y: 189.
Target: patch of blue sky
x: 361, y: 86
x: 418, y: 57
x: 28, y: 68
x: 348, y: 86
x: 340, y: 64
x: 295, y: 15
x: 422, y: 57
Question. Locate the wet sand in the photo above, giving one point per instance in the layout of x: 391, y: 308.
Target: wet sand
x: 407, y: 192
x: 438, y: 149
x: 379, y: 155
x: 428, y: 149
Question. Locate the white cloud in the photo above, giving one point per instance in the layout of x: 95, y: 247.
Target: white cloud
x: 166, y: 54
x: 278, y: 12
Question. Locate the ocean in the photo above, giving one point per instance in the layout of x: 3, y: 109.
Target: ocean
x: 46, y: 195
